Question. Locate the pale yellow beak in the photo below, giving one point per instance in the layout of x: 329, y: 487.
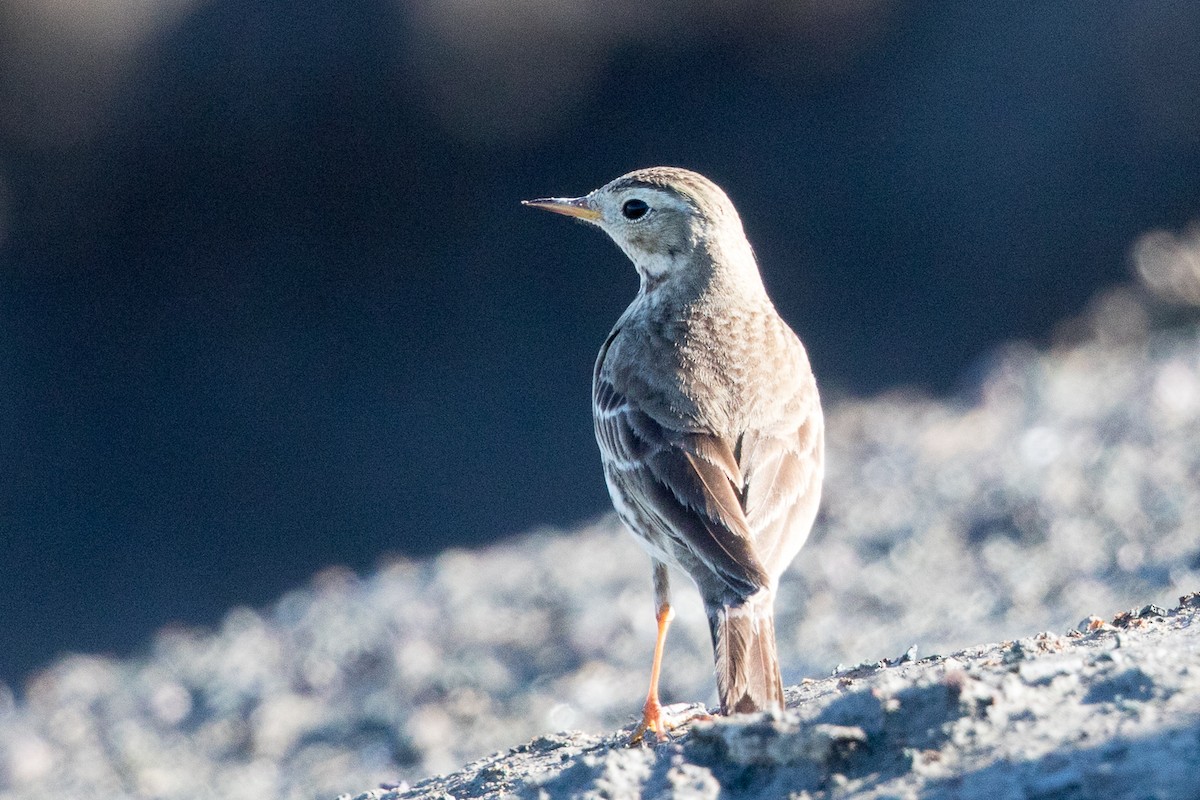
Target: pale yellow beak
x: 578, y: 207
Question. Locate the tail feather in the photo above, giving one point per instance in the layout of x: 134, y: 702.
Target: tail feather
x: 748, y: 676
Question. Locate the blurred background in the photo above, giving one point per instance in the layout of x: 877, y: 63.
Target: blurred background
x: 268, y: 301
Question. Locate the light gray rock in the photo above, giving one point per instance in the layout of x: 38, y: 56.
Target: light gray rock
x: 1110, y: 714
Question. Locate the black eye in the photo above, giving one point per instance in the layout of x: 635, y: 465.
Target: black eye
x: 634, y: 209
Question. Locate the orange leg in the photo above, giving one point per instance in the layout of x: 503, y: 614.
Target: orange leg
x: 652, y: 718
x: 652, y: 711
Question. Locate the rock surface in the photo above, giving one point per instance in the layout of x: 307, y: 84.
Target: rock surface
x: 1111, y: 713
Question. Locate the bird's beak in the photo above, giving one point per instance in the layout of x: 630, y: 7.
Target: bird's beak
x: 578, y: 207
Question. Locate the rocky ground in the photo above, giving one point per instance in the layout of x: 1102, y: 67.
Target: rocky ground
x: 987, y: 722
x: 1064, y: 483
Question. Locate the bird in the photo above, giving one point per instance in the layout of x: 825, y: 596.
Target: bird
x: 708, y: 421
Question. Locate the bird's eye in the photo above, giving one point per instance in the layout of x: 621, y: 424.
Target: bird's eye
x: 634, y: 209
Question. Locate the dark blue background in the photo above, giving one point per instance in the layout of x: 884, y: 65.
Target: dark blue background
x: 281, y: 309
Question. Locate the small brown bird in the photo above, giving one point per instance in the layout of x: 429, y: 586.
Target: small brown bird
x: 708, y: 420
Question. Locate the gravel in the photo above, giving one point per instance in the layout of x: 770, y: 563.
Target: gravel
x: 1110, y: 713
x: 1065, y: 483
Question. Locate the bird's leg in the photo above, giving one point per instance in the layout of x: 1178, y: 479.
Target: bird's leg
x: 652, y: 718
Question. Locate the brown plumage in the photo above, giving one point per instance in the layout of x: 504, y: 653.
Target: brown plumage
x: 707, y: 417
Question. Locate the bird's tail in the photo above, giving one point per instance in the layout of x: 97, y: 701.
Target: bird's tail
x: 743, y: 637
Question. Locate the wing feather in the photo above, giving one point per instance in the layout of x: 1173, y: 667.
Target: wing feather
x: 686, y: 482
x: 784, y: 469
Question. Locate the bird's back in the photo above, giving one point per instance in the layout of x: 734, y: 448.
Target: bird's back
x: 738, y: 373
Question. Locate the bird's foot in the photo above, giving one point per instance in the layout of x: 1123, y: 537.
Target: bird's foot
x: 657, y: 721
x: 652, y: 721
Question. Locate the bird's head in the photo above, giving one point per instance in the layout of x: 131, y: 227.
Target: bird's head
x: 673, y: 224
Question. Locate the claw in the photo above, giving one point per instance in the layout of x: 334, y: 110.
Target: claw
x: 654, y: 720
